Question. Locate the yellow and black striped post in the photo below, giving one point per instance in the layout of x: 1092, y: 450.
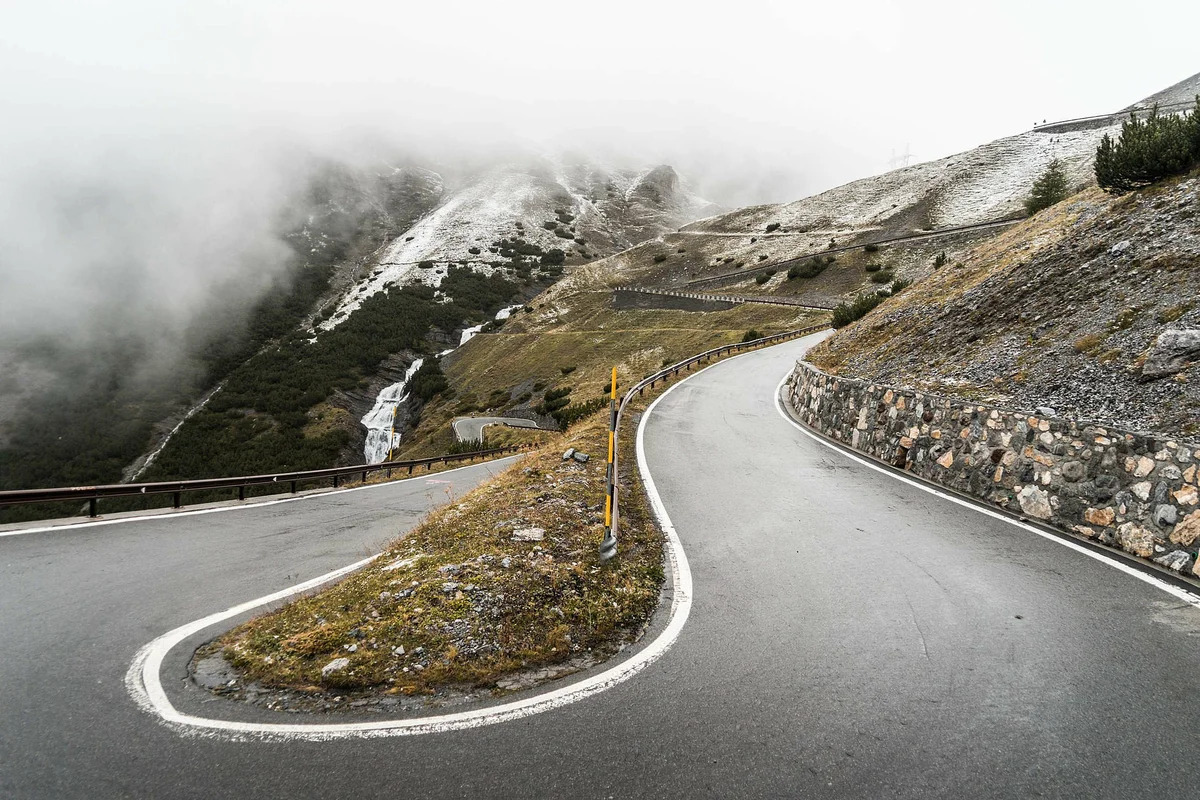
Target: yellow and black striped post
x: 608, y: 547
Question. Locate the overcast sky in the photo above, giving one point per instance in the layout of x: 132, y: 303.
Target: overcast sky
x: 798, y: 97
x: 144, y: 144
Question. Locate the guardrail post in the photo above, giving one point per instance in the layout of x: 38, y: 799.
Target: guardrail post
x: 242, y: 492
x: 335, y: 481
x: 608, y: 546
x: 176, y: 499
x: 293, y: 487
x: 92, y: 507
x: 365, y: 471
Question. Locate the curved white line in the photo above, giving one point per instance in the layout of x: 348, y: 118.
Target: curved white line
x: 1112, y: 561
x: 173, y: 514
x: 144, y: 685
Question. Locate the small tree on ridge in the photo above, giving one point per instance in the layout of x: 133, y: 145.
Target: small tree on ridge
x: 1048, y: 189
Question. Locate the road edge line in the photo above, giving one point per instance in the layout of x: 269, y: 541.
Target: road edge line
x: 305, y: 495
x: 1113, y: 561
x: 142, y: 680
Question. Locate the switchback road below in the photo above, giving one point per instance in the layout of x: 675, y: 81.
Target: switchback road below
x: 850, y: 636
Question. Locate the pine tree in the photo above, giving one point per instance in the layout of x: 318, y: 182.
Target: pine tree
x: 1048, y: 189
x: 1148, y: 150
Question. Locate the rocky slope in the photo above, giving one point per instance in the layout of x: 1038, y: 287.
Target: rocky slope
x: 1183, y: 92
x: 585, y: 211
x: 1089, y: 308
x: 901, y: 222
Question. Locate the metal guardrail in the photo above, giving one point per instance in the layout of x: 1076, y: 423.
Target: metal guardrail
x: 1119, y: 116
x: 736, y: 299
x: 92, y: 494
x: 608, y: 547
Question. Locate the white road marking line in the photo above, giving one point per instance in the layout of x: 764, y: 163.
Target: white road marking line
x: 72, y: 526
x: 145, y: 687
x: 1112, y: 561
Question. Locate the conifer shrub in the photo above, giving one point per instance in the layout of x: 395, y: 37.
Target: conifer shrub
x: 809, y: 269
x: 1048, y: 189
x: 845, y: 313
x: 1148, y: 150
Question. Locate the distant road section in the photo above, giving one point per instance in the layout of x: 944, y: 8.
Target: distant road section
x: 471, y: 428
x: 740, y: 275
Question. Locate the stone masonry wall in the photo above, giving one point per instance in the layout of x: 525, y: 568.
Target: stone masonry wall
x: 1132, y: 491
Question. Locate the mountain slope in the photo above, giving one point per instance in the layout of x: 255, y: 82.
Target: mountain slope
x: 482, y: 243
x: 582, y: 210
x: 1089, y: 308
x: 899, y: 223
x: 86, y: 412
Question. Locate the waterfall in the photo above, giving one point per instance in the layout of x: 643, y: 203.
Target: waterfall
x: 136, y: 471
x: 380, y: 421
x: 469, y: 333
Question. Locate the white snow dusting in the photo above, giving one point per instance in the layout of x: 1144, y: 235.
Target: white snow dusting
x: 987, y: 183
x: 469, y: 333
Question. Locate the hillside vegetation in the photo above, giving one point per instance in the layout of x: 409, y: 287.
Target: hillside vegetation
x: 85, y: 416
x: 563, y: 346
x: 1089, y: 308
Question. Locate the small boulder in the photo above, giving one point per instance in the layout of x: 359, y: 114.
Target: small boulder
x: 1073, y: 471
x: 1035, y: 502
x: 529, y: 534
x: 1176, y: 560
x: 1165, y: 515
x: 582, y: 458
x: 337, y: 665
x: 568, y: 453
x: 1187, y: 531
x: 1136, y: 539
x: 1171, y: 352
x: 1045, y: 411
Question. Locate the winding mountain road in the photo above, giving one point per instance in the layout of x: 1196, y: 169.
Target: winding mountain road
x: 850, y: 636
x: 469, y: 429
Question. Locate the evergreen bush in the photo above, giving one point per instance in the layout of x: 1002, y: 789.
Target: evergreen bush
x: 1148, y: 150
x: 845, y: 313
x: 1048, y: 189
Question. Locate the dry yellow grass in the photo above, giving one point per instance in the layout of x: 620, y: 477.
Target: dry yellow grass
x: 461, y: 601
x: 1005, y: 252
x: 573, y: 338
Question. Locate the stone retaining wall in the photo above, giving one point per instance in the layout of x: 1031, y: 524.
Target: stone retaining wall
x: 1132, y: 491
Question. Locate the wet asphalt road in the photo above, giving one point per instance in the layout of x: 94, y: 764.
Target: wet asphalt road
x: 851, y: 636
x: 471, y: 428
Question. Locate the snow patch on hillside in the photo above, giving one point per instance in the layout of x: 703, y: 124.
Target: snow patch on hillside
x: 611, y: 210
x: 469, y: 334
x: 988, y: 183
